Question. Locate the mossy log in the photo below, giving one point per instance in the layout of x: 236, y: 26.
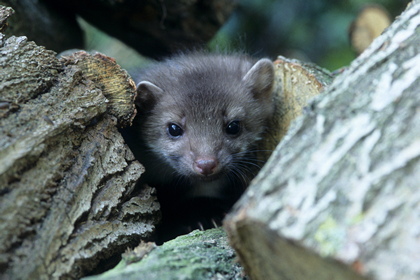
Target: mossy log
x: 200, y: 255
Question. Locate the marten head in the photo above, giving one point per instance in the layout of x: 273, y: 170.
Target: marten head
x: 203, y: 114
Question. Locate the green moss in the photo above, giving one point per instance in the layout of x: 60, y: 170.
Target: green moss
x: 198, y: 255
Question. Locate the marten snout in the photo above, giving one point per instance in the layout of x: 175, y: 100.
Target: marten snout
x: 205, y: 166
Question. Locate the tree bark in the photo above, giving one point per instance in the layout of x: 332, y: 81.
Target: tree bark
x: 67, y: 196
x: 340, y: 197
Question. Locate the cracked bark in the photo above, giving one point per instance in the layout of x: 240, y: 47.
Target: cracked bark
x: 67, y: 197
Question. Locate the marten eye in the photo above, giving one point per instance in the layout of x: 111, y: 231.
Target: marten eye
x: 233, y: 128
x: 174, y: 130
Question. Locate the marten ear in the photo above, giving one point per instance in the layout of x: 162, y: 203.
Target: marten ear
x: 147, y: 95
x: 260, y: 79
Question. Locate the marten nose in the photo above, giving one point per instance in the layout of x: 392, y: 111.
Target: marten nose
x: 205, y: 166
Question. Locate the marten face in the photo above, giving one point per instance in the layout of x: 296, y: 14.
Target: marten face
x: 203, y: 118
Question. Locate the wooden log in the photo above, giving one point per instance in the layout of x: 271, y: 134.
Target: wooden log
x: 340, y: 197
x: 67, y: 196
x: 199, y: 255
x: 369, y: 24
x: 296, y: 84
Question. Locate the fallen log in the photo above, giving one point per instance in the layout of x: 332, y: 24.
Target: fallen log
x: 339, y: 198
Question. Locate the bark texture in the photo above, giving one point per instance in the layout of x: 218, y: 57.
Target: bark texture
x: 340, y: 196
x: 67, y: 196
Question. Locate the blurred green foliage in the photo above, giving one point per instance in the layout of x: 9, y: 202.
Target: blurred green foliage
x: 96, y: 40
x: 315, y: 31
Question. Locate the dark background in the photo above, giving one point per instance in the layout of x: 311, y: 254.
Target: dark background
x: 315, y: 31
